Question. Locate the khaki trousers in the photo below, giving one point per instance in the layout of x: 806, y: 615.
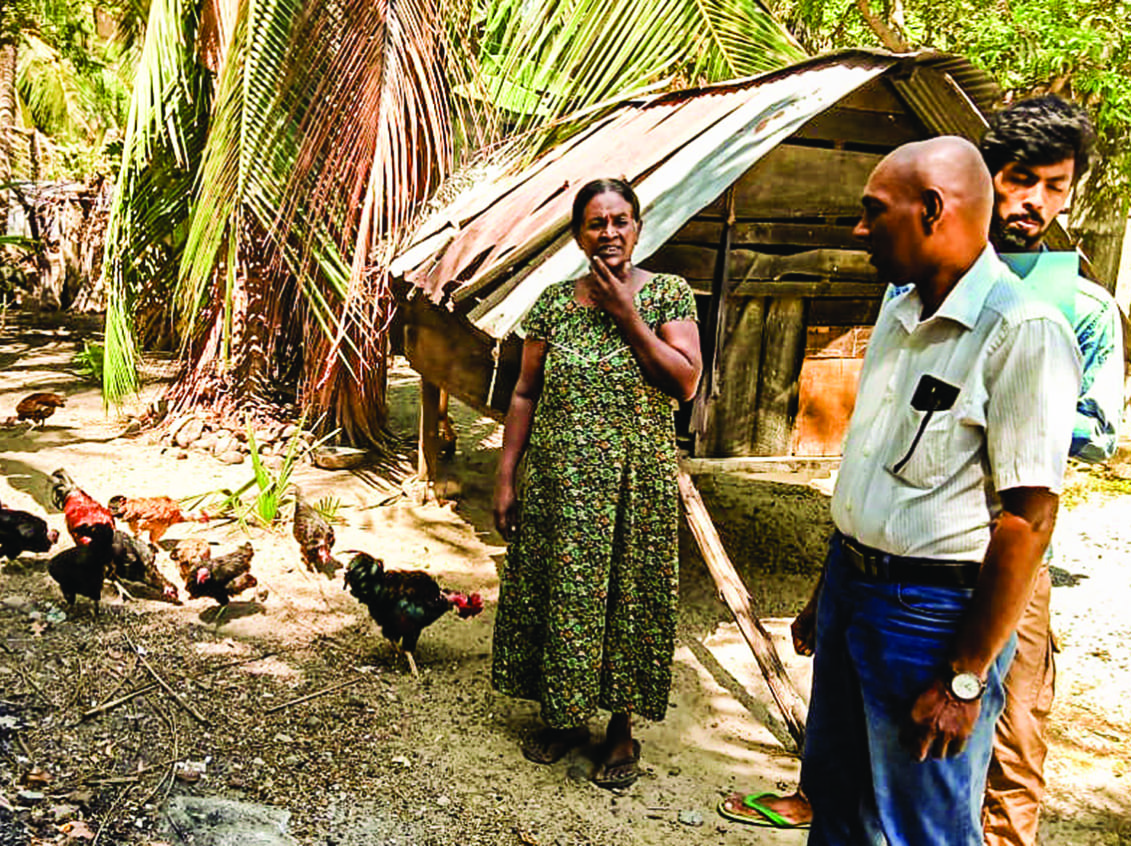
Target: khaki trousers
x: 1015, y: 785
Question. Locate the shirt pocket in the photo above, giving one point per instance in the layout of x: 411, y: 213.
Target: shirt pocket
x: 922, y: 463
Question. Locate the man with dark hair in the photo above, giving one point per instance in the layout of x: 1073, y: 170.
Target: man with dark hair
x: 1036, y: 151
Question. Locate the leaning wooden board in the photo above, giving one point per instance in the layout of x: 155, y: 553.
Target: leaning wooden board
x: 737, y: 599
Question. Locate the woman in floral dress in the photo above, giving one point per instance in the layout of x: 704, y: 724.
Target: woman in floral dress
x: 587, y: 602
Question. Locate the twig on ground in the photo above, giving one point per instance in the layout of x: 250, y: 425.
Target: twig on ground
x: 314, y: 695
x: 110, y: 813
x: 192, y: 712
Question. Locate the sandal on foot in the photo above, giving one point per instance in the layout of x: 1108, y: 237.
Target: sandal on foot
x: 547, y: 746
x: 621, y: 773
x: 762, y: 817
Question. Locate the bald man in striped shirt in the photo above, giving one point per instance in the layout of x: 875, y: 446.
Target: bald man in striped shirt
x: 944, y: 504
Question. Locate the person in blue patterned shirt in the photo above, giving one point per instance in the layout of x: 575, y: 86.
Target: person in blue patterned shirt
x: 1036, y: 151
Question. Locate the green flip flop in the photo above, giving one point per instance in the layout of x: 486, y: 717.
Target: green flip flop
x: 768, y: 819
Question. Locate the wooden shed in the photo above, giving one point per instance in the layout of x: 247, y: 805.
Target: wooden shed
x: 750, y: 190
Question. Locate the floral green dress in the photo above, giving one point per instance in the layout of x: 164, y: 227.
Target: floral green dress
x: 587, y: 600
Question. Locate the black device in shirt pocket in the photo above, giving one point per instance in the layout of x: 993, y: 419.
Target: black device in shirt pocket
x: 931, y: 394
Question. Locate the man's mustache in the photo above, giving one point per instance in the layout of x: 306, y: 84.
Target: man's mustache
x: 1025, y: 218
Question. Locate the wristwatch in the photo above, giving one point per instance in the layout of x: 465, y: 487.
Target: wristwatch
x: 965, y: 687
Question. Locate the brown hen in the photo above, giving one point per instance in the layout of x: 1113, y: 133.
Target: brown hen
x: 39, y: 406
x: 153, y: 514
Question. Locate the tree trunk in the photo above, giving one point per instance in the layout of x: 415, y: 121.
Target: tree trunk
x: 7, y: 121
x: 1100, y: 227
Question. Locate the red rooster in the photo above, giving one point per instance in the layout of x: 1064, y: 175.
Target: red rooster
x: 87, y: 520
x: 404, y: 602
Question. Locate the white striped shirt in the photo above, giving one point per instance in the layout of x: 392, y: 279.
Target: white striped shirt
x: 1014, y: 362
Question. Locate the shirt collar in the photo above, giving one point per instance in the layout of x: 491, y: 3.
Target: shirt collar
x: 964, y: 302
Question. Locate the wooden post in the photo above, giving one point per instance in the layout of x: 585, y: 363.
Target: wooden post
x: 783, y: 353
x: 737, y: 599
x: 427, y: 457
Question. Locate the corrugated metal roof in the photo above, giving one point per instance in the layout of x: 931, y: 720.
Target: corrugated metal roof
x: 506, y: 240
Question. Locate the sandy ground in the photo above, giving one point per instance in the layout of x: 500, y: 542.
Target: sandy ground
x: 390, y: 760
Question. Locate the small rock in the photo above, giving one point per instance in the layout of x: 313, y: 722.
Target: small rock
x: 182, y: 455
x: 207, y: 442
x: 232, y: 457
x: 577, y: 773
x: 17, y: 603
x: 29, y: 797
x: 283, y: 738
x: 289, y: 431
x: 259, y: 762
x: 133, y: 427
x: 692, y: 818
x: 189, y: 433
x: 223, y: 444
x: 674, y: 771
x: 312, y: 722
x: 443, y: 801
x: 293, y: 760
x: 402, y: 761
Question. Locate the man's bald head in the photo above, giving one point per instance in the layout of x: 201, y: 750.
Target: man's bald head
x: 927, y: 209
x: 950, y: 165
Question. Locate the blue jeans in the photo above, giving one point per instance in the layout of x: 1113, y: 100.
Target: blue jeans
x: 879, y: 645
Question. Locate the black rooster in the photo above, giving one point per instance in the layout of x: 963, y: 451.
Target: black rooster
x: 403, y: 602
x: 23, y: 532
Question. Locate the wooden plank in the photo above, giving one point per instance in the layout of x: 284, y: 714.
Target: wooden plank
x: 867, y: 128
x: 704, y: 231
x: 697, y: 263
x: 757, y: 464
x: 428, y: 448
x: 811, y: 289
x: 876, y: 95
x: 729, y: 417
x: 783, y: 351
x: 815, y: 235
x: 448, y: 352
x: 796, y: 181
x: 733, y: 592
x: 842, y: 312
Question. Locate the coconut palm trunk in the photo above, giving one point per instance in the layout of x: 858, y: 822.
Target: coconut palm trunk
x: 7, y: 119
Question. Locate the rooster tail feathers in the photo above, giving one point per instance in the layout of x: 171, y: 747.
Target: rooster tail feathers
x: 61, y: 486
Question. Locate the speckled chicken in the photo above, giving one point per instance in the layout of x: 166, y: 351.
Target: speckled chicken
x: 404, y: 602
x: 39, y: 406
x: 219, y: 578
x: 315, y: 537
x: 135, y: 567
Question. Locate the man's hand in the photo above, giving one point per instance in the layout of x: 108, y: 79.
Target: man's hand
x: 940, y: 724
x: 804, y: 629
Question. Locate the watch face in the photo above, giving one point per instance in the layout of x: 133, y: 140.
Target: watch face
x: 966, y: 686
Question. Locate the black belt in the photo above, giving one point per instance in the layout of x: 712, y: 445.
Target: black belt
x: 885, y: 567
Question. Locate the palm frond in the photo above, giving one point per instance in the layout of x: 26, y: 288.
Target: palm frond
x: 164, y: 138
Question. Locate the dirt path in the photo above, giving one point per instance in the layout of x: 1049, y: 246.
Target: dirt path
x: 386, y: 759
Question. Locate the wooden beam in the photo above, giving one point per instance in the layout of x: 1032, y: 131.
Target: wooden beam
x: 810, y: 289
x: 731, y: 413
x: 427, y: 456
x: 783, y: 352
x: 703, y: 231
x: 803, y: 181
x: 733, y: 592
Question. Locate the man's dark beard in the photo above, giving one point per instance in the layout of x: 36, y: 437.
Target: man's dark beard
x: 1008, y: 240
